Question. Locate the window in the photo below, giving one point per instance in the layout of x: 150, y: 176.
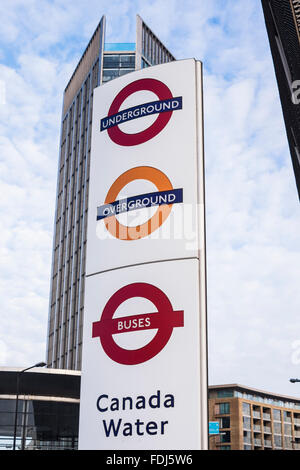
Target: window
x: 277, y: 441
x: 247, y: 437
x: 287, y: 417
x: 277, y: 415
x: 225, y: 422
x: 223, y: 408
x: 224, y: 393
x: 225, y: 448
x: 246, y: 423
x: 287, y: 429
x: 225, y: 436
x: 277, y: 428
x: 116, y: 65
x: 246, y: 409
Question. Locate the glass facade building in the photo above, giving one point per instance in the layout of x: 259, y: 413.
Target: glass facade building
x: 47, y: 413
x: 99, y: 63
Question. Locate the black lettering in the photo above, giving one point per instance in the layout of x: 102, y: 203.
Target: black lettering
x: 98, y: 403
x: 169, y: 402
x: 111, y: 427
x: 154, y: 400
x: 151, y: 428
x: 114, y: 406
x: 140, y: 402
x: 127, y: 430
x: 129, y: 400
x: 139, y: 423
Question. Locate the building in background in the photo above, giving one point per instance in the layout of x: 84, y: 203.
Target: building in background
x: 48, y: 414
x: 47, y: 417
x: 253, y: 420
x: 99, y: 63
x: 282, y: 19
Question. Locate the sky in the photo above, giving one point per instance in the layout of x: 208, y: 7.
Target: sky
x: 252, y: 207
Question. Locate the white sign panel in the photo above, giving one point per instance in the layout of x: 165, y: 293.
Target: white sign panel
x: 144, y: 371
x: 143, y: 359
x: 144, y: 174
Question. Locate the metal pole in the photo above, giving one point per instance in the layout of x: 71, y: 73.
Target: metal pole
x: 39, y: 364
x: 16, y: 410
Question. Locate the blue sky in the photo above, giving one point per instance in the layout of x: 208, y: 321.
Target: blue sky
x: 253, y: 212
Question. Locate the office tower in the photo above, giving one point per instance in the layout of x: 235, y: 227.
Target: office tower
x: 99, y: 63
x: 251, y: 419
x: 282, y: 19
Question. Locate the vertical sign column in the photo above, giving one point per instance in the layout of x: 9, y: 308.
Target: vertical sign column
x: 144, y: 372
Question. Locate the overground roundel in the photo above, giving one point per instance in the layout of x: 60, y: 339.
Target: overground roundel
x: 164, y: 320
x: 164, y: 107
x: 164, y: 198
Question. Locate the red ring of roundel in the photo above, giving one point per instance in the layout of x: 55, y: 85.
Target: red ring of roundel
x: 150, y: 84
x: 161, y: 302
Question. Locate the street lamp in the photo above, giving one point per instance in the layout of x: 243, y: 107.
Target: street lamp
x: 39, y: 364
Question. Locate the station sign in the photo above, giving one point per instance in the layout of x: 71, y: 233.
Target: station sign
x: 143, y: 184
x: 141, y: 371
x: 144, y: 355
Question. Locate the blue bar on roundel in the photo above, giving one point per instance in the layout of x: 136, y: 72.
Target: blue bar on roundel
x: 172, y: 196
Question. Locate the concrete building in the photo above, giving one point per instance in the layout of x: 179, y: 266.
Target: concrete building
x: 282, y: 19
x: 252, y: 419
x: 99, y: 63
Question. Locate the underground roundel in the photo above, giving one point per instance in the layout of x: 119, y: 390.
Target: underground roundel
x: 163, y: 107
x: 164, y: 320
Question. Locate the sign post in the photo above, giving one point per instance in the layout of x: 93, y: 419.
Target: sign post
x: 144, y: 365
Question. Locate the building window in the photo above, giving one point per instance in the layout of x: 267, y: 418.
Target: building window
x: 277, y: 428
x: 247, y: 437
x: 287, y: 418
x: 224, y: 393
x: 287, y: 429
x: 278, y: 441
x: 222, y: 409
x: 246, y: 423
x: 116, y: 65
x: 246, y: 409
x: 225, y: 448
x: 225, y: 422
x: 225, y: 436
x: 276, y: 415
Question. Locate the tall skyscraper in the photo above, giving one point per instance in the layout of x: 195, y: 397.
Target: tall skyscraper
x: 282, y: 19
x: 99, y: 63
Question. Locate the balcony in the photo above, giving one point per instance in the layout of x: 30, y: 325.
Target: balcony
x: 256, y: 414
x: 257, y: 442
x: 266, y: 417
x: 268, y: 443
x: 256, y: 428
x: 267, y: 430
